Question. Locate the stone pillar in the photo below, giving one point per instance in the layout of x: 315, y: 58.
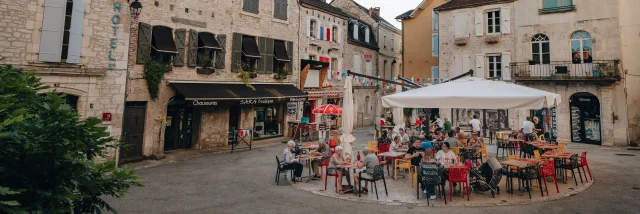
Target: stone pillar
x: 606, y: 118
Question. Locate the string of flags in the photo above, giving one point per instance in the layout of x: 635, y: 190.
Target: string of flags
x: 364, y: 81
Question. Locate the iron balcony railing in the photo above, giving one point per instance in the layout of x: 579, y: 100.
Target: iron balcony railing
x: 605, y: 70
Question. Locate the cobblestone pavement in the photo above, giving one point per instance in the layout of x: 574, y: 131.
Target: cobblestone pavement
x: 243, y: 182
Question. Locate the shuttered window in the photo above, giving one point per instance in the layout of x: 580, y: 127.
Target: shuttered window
x: 67, y: 26
x: 180, y: 40
x: 193, y: 48
x: 62, y: 27
x: 251, y: 6
x: 144, y: 42
x: 208, y: 49
x: 290, y: 53
x: 236, y: 53
x: 73, y: 36
x: 220, y: 60
x: 280, y: 9
x: 163, y: 46
x: 434, y: 44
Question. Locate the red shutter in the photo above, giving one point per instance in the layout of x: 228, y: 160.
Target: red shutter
x: 328, y: 34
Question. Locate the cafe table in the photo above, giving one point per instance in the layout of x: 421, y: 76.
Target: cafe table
x: 559, y: 158
x: 520, y: 163
x: 351, y: 167
x: 308, y: 158
x: 542, y: 145
x: 392, y: 155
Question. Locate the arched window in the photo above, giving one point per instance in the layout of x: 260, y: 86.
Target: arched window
x: 367, y: 104
x: 581, y: 47
x: 540, y: 49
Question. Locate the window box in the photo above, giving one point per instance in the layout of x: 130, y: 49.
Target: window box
x: 561, y: 9
x: 461, y: 41
x: 280, y: 76
x: 205, y: 70
x: 491, y: 39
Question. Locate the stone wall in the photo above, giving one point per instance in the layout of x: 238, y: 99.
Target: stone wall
x: 390, y: 50
x: 629, y: 33
x: 363, y: 117
x: 213, y: 128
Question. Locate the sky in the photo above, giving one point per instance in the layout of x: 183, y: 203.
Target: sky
x: 389, y: 9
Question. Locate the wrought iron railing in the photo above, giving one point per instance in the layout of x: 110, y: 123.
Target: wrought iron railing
x: 560, y: 9
x: 607, y: 70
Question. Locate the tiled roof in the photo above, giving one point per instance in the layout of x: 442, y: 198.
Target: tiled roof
x: 405, y: 15
x: 455, y: 4
x: 324, y: 6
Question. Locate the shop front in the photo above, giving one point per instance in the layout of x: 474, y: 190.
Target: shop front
x: 220, y: 109
x: 585, y: 118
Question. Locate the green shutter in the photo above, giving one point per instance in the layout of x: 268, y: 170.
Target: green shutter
x: 193, y: 48
x: 180, y: 39
x: 262, y: 47
x: 291, y: 60
x: 268, y: 60
x: 222, y: 40
x: 144, y: 42
x: 550, y: 3
x: 236, y: 53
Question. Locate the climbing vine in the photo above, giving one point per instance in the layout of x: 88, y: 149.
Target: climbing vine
x: 153, y: 74
x: 246, y: 75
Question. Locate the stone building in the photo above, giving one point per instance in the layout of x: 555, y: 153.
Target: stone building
x: 558, y: 46
x: 207, y: 52
x: 77, y: 47
x: 361, y: 55
x: 420, y: 31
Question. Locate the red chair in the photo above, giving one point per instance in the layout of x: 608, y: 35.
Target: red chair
x: 582, y: 163
x: 458, y: 175
x: 325, y: 163
x: 382, y: 148
x: 548, y: 170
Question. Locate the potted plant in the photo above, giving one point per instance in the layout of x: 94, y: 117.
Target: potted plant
x: 207, y: 67
x: 281, y: 74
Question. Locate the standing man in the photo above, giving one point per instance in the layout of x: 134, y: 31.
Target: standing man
x: 418, y: 125
x: 447, y: 125
x: 475, y: 124
x: 527, y: 130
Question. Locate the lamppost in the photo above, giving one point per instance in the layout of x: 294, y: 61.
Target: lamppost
x: 136, y: 8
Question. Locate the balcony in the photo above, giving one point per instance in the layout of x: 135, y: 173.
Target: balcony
x: 606, y: 71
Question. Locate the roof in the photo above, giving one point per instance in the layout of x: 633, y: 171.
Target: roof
x: 456, y: 4
x: 405, y: 15
x: 321, y: 4
x: 376, y: 17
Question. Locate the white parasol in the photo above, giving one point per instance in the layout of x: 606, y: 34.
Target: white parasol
x: 347, y: 138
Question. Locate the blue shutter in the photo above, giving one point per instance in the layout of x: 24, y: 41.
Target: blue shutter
x: 435, y: 75
x: 321, y: 33
x: 550, y: 3
x: 75, y: 32
x: 434, y: 44
x: 52, y: 31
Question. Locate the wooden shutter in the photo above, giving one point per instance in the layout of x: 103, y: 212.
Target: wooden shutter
x: 505, y: 16
x: 339, y: 35
x: 262, y: 47
x: 144, y: 42
x: 291, y: 60
x: 458, y: 66
x: 506, y: 67
x: 308, y: 27
x: 479, y: 15
x: 75, y: 32
x: 52, y: 31
x: 180, y: 40
x: 268, y: 60
x: 220, y: 61
x: 466, y: 63
x: 479, y: 65
x: 434, y: 44
x: 193, y: 48
x: 236, y: 52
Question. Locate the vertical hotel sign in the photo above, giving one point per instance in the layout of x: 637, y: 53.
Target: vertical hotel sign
x: 113, y: 42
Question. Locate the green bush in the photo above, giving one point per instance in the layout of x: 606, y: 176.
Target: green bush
x: 153, y: 74
x: 48, y: 156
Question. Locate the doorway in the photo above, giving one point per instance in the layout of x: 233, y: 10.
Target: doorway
x: 178, y: 130
x: 585, y: 118
x: 133, y: 126
x: 234, y: 123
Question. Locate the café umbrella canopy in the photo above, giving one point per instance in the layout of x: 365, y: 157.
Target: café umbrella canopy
x: 328, y: 109
x: 474, y: 93
x: 347, y: 138
x: 398, y: 114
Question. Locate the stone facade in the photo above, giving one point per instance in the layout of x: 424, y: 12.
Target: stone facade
x: 99, y: 79
x: 390, y: 55
x: 219, y: 18
x: 629, y: 31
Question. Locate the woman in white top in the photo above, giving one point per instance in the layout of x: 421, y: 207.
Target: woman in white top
x: 445, y: 155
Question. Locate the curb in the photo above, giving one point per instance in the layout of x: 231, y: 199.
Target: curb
x: 424, y: 204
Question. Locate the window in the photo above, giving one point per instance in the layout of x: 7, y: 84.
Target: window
x: 384, y: 41
x: 384, y: 68
x: 280, y: 57
x: 62, y: 26
x: 67, y: 26
x: 334, y: 64
x: 280, y: 8
x: 366, y: 34
x: 355, y: 31
x: 250, y: 53
x: 313, y: 57
x: 540, y: 49
x: 435, y: 22
x: 392, y: 43
x: 251, y: 6
x: 334, y: 36
x: 493, y: 22
x: 434, y: 44
x: 369, y: 68
x: 312, y: 28
x: 581, y: 47
x: 367, y: 105
x: 495, y: 65
x: 163, y: 46
x: 357, y: 64
x: 208, y: 48
x: 556, y: 6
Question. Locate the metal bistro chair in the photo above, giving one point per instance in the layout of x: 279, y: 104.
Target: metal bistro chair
x: 431, y: 174
x: 280, y: 170
x: 378, y: 174
x: 571, y: 165
x: 527, y: 175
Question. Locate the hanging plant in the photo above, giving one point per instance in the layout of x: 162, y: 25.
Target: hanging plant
x: 280, y: 75
x: 153, y: 74
x: 246, y: 74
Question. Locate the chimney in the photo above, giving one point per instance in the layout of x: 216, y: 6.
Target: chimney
x: 375, y: 10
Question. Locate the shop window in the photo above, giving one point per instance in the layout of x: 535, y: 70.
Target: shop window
x: 540, y: 49
x: 581, y: 47
x: 268, y: 121
x: 493, y: 21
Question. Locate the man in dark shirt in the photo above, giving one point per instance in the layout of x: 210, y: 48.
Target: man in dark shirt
x: 414, y: 153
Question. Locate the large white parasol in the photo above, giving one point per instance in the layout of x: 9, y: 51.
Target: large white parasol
x: 347, y: 138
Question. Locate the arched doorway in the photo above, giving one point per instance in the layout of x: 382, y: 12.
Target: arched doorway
x: 585, y: 118
x: 178, y: 130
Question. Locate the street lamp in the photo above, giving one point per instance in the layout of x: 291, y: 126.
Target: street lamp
x: 136, y: 8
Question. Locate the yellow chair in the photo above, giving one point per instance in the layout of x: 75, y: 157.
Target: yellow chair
x: 536, y: 154
x: 463, y: 142
x: 401, y: 164
x: 455, y: 151
x: 513, y: 168
x: 561, y: 147
x: 485, y: 154
x: 373, y: 146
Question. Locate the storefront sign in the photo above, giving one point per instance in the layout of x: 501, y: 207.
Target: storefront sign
x: 256, y: 101
x: 204, y: 103
x: 115, y: 20
x: 246, y: 101
x: 368, y: 57
x: 292, y: 108
x: 297, y: 99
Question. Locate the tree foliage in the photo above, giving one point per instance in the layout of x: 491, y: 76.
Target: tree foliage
x: 48, y: 157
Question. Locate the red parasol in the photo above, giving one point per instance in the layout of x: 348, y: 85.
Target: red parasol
x: 328, y: 109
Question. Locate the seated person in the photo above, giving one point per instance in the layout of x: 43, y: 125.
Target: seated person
x: 454, y: 142
x: 323, y: 152
x: 336, y: 164
x: 460, y: 134
x: 369, y: 162
x: 445, y: 155
x: 290, y: 162
x: 426, y: 142
x: 438, y: 134
x: 414, y: 153
x: 396, y: 145
x: 476, y: 142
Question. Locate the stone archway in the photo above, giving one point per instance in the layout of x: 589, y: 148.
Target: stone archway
x: 584, y: 113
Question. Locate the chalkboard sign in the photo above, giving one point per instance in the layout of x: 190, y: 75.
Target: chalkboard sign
x: 575, y: 124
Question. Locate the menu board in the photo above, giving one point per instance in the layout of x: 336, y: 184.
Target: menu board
x: 554, y: 126
x: 575, y: 124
